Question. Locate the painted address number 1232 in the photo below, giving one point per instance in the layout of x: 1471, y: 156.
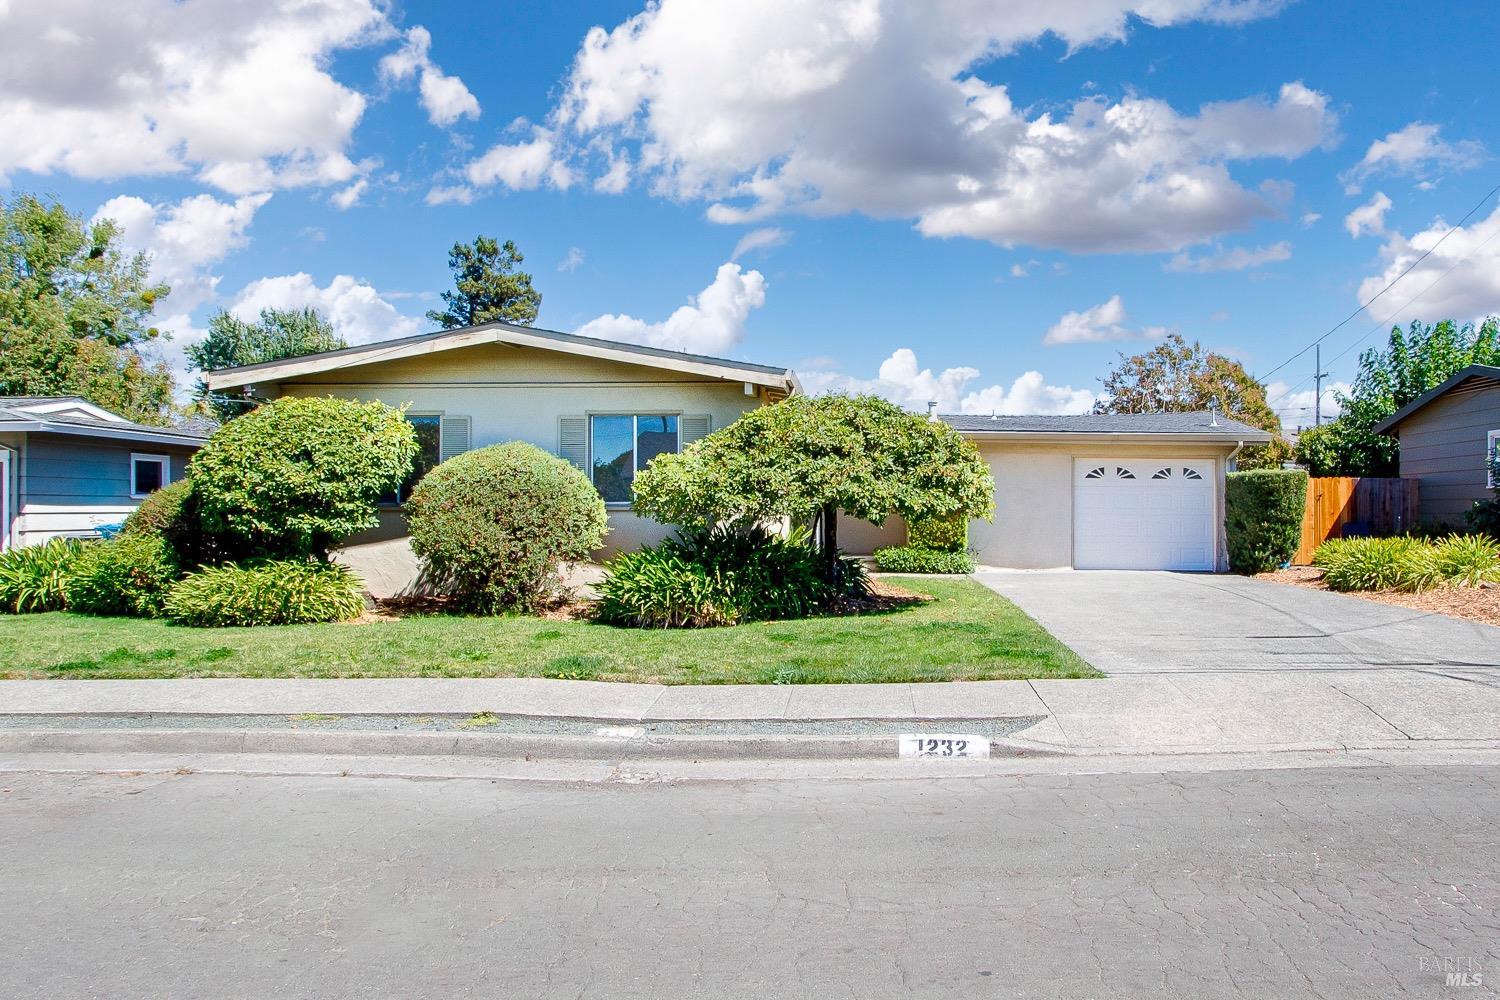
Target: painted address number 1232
x: 943, y: 745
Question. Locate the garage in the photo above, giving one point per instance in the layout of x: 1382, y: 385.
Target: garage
x: 1149, y: 514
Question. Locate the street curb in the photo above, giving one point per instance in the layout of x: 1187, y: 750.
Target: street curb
x: 510, y: 746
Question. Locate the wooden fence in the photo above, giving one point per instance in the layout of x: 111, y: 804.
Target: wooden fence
x: 1364, y: 506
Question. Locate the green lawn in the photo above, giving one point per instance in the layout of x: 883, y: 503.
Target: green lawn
x: 967, y: 633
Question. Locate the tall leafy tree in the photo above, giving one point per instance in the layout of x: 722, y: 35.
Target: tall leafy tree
x: 1175, y: 376
x: 1412, y: 362
x: 488, y: 285
x: 277, y: 334
x: 809, y: 457
x: 74, y: 306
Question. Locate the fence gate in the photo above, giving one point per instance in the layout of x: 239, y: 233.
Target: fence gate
x: 1364, y: 506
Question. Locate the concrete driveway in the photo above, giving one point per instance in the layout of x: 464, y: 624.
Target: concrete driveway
x: 1154, y: 623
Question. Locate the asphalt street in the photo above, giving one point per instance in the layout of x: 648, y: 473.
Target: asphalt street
x: 1322, y: 882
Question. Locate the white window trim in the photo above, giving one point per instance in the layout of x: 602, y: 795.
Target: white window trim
x: 162, y: 460
x: 1491, y: 454
x: 635, y: 437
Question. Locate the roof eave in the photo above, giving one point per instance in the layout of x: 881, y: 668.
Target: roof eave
x: 1129, y: 437
x: 277, y: 371
x: 116, y: 433
x: 1457, y: 378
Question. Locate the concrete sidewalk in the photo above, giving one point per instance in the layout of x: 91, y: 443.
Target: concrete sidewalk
x: 1263, y: 710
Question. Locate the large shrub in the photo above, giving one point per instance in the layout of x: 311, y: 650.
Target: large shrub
x: 939, y: 534
x: 275, y: 592
x: 127, y: 575
x: 174, y: 514
x: 1263, y: 512
x: 297, y: 476
x: 493, y: 525
x: 916, y: 559
x: 723, y: 576
x: 32, y: 577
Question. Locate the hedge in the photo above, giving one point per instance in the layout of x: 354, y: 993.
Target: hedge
x: 1263, y: 512
x: 916, y: 559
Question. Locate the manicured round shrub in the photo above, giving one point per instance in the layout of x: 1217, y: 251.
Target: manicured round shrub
x: 915, y: 559
x: 32, y: 576
x: 723, y: 576
x: 275, y: 592
x: 494, y: 525
x: 127, y: 575
x: 1263, y: 512
x: 295, y: 477
x: 939, y: 534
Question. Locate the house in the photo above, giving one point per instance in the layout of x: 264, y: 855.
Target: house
x: 606, y: 406
x: 67, y: 466
x: 1133, y: 492
x: 1450, y: 437
x: 1100, y: 491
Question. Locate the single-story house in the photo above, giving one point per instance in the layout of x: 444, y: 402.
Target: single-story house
x: 1140, y: 491
x: 1450, y: 438
x: 67, y: 466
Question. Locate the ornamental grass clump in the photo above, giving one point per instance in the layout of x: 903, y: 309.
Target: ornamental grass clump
x: 275, y: 592
x: 1377, y: 564
x: 1468, y: 560
x: 32, y: 577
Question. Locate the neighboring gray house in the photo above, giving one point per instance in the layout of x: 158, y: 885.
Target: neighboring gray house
x: 67, y: 466
x: 1449, y: 438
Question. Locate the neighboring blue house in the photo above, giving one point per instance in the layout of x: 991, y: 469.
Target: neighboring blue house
x: 67, y: 466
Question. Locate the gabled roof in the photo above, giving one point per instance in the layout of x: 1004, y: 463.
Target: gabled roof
x: 75, y: 416
x: 783, y: 379
x: 1482, y: 377
x: 1198, y: 425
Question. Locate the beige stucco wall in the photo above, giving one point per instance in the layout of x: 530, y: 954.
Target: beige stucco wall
x: 514, y: 393
x: 1033, y: 526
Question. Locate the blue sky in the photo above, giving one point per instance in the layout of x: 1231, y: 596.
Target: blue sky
x: 979, y: 203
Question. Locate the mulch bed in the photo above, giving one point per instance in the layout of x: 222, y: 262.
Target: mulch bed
x: 1478, y: 604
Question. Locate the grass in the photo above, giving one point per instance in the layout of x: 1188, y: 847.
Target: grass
x: 967, y: 632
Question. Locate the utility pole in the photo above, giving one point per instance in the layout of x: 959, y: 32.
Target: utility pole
x: 1318, y: 376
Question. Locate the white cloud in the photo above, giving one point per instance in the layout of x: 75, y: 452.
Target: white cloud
x: 759, y: 239
x: 872, y: 106
x: 240, y: 94
x: 1237, y: 259
x: 522, y: 166
x: 359, y: 313
x: 1295, y: 409
x: 712, y: 322
x: 184, y: 239
x: 1414, y: 151
x: 1098, y: 324
x: 445, y: 98
x: 348, y: 197
x: 1369, y: 217
x: 1459, y: 280
x: 903, y: 381
x: 450, y: 194
x: 1309, y: 218
x: 572, y: 262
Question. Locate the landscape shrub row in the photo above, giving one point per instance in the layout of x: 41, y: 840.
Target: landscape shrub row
x: 1263, y: 512
x: 912, y: 559
x: 1408, y: 564
x: 724, y: 576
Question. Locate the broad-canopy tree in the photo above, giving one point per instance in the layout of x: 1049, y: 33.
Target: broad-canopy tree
x: 809, y: 457
x: 277, y: 334
x: 1175, y: 376
x: 1412, y: 362
x: 73, y: 307
x: 488, y: 285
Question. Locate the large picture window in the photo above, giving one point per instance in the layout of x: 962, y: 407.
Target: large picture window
x: 622, y: 445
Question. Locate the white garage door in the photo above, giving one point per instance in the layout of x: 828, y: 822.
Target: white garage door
x: 1143, y: 515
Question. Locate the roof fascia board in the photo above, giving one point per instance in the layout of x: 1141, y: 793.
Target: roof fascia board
x: 119, y: 433
x: 1454, y: 380
x: 293, y: 368
x: 1126, y: 437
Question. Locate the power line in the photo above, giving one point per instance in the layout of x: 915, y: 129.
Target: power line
x: 1391, y: 284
